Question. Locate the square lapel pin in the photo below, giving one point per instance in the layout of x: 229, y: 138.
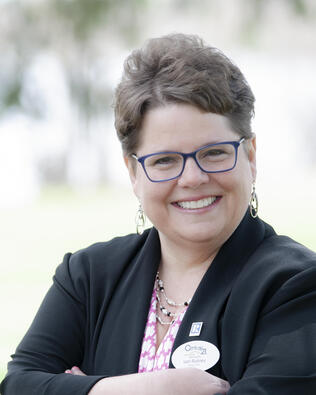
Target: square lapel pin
x: 196, y: 328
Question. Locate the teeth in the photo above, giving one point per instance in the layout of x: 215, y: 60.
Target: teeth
x: 197, y: 203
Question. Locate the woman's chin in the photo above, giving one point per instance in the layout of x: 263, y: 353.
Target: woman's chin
x: 194, y: 233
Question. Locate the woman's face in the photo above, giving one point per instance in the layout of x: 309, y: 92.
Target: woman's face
x: 185, y: 128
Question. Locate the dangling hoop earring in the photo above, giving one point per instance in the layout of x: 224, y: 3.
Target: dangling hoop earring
x: 140, y: 220
x: 253, y: 204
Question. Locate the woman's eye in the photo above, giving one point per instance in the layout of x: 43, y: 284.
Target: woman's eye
x: 163, y: 161
x: 213, y: 152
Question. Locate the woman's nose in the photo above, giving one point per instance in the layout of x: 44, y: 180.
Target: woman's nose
x: 192, y: 175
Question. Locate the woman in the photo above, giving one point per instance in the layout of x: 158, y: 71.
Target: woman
x: 210, y: 288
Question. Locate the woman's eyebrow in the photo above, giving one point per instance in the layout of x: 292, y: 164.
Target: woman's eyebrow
x: 169, y: 151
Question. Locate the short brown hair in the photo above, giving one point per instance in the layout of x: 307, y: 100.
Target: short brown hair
x: 180, y: 68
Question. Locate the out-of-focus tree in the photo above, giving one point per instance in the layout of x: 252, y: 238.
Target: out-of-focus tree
x: 77, y: 39
x: 77, y: 32
x: 257, y: 11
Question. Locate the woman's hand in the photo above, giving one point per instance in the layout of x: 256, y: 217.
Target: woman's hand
x: 190, y: 381
x: 75, y: 371
x: 187, y: 381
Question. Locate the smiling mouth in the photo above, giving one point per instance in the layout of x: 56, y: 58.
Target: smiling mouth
x: 194, y: 204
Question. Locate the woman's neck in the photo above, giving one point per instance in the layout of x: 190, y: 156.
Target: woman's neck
x: 186, y: 259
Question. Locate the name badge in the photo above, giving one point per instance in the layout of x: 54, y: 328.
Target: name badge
x: 195, y: 354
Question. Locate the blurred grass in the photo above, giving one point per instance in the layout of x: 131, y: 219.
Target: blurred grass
x: 35, y: 238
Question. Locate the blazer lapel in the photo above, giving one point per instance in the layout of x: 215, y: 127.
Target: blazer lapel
x: 208, y: 303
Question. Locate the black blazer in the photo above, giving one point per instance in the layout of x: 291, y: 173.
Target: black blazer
x: 257, y: 301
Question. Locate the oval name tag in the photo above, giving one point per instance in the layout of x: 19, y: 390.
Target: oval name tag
x: 195, y: 354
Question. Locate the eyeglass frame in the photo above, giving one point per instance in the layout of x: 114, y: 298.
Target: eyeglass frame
x: 192, y: 154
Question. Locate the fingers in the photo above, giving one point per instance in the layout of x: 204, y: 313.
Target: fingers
x: 223, y: 384
x: 223, y: 387
x: 75, y: 371
x: 219, y: 385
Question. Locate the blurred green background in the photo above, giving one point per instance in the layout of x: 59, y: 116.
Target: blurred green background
x: 63, y: 184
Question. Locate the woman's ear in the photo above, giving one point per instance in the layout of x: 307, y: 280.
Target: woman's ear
x: 252, y: 149
x: 130, y: 164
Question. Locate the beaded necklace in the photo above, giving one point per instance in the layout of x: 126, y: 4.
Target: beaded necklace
x: 161, y: 291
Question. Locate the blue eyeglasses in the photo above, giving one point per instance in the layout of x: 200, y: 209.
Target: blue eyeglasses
x: 212, y: 158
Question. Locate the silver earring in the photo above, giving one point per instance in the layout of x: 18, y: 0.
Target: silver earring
x: 140, y: 220
x: 253, y: 204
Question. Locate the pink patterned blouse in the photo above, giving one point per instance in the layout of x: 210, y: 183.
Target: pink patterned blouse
x: 150, y: 360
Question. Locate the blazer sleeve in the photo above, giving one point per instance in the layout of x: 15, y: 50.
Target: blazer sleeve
x: 282, y: 357
x: 55, y: 341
